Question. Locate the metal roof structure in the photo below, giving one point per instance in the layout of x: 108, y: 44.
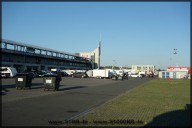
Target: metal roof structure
x: 35, y: 47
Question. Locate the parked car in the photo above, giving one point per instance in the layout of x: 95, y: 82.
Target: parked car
x: 64, y: 74
x: 32, y: 74
x: 79, y: 74
x: 142, y: 75
x: 135, y: 75
x: 61, y: 72
x: 114, y: 77
x: 41, y: 73
x: 50, y: 73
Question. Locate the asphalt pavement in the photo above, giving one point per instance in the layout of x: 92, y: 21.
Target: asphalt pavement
x: 76, y: 96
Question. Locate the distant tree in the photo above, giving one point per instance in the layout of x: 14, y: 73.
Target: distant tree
x: 161, y: 69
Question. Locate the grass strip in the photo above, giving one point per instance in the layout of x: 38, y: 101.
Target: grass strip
x: 160, y: 102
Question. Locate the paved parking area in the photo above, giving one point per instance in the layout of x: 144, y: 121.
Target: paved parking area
x: 36, y: 107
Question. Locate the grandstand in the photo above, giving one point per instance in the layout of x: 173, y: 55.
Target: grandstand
x: 24, y: 56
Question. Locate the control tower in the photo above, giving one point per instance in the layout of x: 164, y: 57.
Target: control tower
x: 94, y: 56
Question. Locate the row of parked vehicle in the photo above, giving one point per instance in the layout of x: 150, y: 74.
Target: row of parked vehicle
x: 8, y: 72
x: 96, y: 73
x: 43, y: 73
x: 112, y: 74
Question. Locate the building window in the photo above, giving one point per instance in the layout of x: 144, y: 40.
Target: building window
x: 138, y: 67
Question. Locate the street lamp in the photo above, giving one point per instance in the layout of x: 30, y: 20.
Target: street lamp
x: 175, y: 53
x: 170, y: 61
x: 115, y: 63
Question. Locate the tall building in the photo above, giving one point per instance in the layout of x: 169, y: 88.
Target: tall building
x: 94, y: 56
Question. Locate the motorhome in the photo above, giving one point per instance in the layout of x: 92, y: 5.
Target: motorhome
x: 8, y: 71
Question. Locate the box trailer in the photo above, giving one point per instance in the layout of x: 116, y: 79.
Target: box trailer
x: 101, y: 73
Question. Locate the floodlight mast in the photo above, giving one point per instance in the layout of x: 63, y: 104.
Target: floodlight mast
x: 99, y: 52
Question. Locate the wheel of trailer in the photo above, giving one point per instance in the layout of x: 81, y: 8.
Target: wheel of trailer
x: 82, y: 76
x: 72, y: 76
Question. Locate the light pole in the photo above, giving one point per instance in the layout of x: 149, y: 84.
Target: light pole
x: 170, y: 60
x: 115, y: 63
x: 175, y: 53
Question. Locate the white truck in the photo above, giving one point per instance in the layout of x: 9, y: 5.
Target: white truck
x: 8, y: 71
x: 89, y: 73
x: 101, y: 73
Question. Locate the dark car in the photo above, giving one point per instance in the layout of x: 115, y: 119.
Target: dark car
x: 64, y: 74
x: 114, y: 77
x: 142, y: 75
x: 61, y: 72
x: 41, y: 73
x: 79, y: 74
x: 32, y: 74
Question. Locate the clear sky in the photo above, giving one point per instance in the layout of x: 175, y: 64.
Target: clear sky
x: 131, y: 32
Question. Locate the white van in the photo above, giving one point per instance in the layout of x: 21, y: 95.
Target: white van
x: 8, y: 71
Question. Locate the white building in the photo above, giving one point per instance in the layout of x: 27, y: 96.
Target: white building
x: 173, y: 74
x: 143, y: 68
x: 172, y: 68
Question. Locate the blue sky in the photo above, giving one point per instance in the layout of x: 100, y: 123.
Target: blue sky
x: 131, y: 32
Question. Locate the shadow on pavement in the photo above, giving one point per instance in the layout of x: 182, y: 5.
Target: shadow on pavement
x: 71, y: 88
x: 179, y: 118
x: 8, y: 86
x: 33, y: 86
x: 37, y: 85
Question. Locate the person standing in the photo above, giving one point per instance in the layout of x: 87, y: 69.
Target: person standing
x: 57, y: 81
